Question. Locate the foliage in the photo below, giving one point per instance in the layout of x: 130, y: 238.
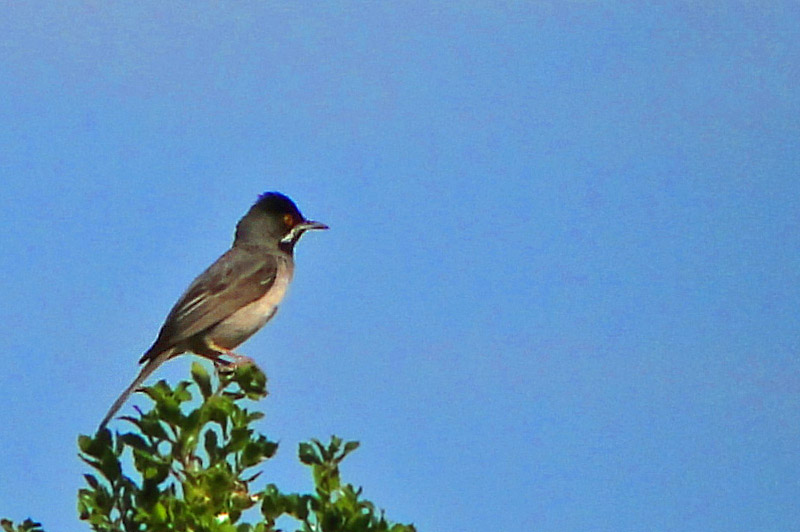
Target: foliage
x: 26, y: 526
x: 195, y: 470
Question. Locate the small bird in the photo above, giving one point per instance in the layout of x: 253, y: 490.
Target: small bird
x: 226, y: 304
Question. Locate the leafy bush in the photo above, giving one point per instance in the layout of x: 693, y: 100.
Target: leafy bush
x: 195, y: 470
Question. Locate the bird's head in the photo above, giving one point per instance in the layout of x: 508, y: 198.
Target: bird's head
x: 274, y: 220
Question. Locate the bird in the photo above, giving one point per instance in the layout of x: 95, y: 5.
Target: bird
x: 235, y: 296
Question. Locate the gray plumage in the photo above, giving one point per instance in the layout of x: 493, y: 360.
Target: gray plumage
x: 235, y: 296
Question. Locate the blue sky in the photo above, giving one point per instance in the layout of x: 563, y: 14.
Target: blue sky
x: 561, y: 287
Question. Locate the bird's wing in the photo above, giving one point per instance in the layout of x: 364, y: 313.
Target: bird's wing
x: 237, y: 278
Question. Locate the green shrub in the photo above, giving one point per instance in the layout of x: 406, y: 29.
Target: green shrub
x: 196, y: 469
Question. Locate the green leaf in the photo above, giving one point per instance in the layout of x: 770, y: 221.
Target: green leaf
x: 251, y: 381
x: 211, y: 445
x: 110, y: 466
x: 272, y: 502
x: 152, y: 467
x: 159, y: 513
x: 324, y: 453
x: 269, y: 448
x: 254, y: 416
x: 307, y: 454
x: 134, y: 440
x: 350, y: 447
x: 94, y: 463
x: 84, y: 444
x: 297, y: 505
x: 91, y: 480
x: 97, y: 446
x: 331, y: 520
x: 151, y: 426
x: 238, y: 439
x: 169, y: 409
x: 258, y: 450
x: 182, y: 393
x: 159, y: 391
x: 201, y: 377
x: 219, y: 408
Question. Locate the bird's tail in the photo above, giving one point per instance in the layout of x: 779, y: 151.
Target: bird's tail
x: 148, y: 368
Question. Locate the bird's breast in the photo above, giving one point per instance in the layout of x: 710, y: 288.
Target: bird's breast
x: 243, y: 323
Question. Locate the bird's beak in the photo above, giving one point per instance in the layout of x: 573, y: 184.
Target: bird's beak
x: 308, y: 224
x: 301, y: 228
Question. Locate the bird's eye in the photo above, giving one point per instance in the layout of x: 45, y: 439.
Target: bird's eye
x: 288, y: 220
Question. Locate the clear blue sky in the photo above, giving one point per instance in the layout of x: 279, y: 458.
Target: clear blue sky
x: 561, y: 289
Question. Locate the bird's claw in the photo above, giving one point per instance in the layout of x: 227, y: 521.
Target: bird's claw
x: 224, y: 366
x: 240, y: 360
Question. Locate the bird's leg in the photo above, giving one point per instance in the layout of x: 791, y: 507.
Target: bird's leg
x: 220, y: 364
x: 214, y: 352
x: 216, y: 358
x: 210, y: 350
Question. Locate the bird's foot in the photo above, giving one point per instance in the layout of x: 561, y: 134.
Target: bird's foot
x: 239, y: 360
x: 227, y: 367
x: 223, y: 367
